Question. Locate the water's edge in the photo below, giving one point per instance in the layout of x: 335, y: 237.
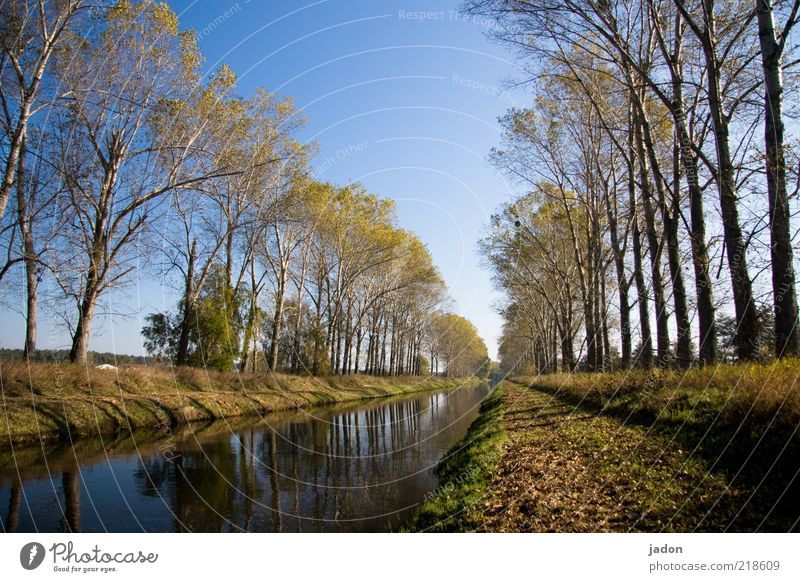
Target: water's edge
x: 42, y: 416
x: 358, y: 466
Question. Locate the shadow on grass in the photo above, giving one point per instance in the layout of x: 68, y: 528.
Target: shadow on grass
x: 761, y: 458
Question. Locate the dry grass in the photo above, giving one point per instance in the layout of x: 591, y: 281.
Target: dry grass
x: 52, y: 401
x: 563, y: 470
x: 742, y: 420
x: 712, y: 449
x: 752, y: 396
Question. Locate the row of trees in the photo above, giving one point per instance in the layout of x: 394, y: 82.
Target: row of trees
x: 653, y: 156
x: 325, y: 283
x: 123, y: 163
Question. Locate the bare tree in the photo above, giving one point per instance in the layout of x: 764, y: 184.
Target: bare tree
x: 121, y: 156
x: 773, y: 45
x: 30, y: 33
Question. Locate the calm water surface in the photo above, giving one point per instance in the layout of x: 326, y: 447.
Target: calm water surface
x: 349, y: 468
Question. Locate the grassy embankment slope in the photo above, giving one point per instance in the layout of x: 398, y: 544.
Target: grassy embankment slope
x: 738, y: 423
x: 53, y: 401
x: 466, y: 475
x: 711, y: 449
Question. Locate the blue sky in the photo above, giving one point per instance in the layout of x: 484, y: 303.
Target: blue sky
x: 401, y: 96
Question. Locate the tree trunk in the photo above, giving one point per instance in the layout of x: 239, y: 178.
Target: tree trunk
x: 182, y: 354
x: 337, y: 362
x: 229, y: 241
x: 80, y: 341
x: 98, y: 254
x: 567, y: 342
x: 276, y: 321
x: 393, y: 347
x: 670, y: 217
x: 250, y: 325
x: 746, y: 316
x: 600, y: 353
x: 645, y: 355
x: 318, y: 330
x: 359, y: 338
x: 591, y: 334
x: 383, y: 346
x: 604, y: 322
x: 348, y: 337
x: 24, y: 203
x: 14, y: 152
x: 703, y: 287
x: 299, y: 319
x: 622, y: 284
x: 654, y: 250
x: 784, y: 295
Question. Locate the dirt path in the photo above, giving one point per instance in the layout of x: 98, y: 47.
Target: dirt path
x: 563, y: 469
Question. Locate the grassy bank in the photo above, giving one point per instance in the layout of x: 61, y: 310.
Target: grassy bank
x: 752, y: 397
x: 57, y: 401
x: 465, y: 475
x: 742, y: 420
x: 712, y: 449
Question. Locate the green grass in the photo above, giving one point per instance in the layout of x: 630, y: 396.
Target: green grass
x: 465, y: 476
x: 50, y: 402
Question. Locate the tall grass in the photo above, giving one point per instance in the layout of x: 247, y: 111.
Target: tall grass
x: 754, y: 396
x: 743, y: 419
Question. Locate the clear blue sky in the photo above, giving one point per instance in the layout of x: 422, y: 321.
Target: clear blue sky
x: 406, y: 103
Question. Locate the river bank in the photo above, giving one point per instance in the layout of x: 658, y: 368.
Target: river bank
x: 466, y: 475
x: 712, y: 449
x: 354, y: 467
x: 51, y: 402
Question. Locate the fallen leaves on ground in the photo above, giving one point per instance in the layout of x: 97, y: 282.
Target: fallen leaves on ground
x: 564, y: 470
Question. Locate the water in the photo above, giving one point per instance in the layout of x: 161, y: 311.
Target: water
x: 347, y: 468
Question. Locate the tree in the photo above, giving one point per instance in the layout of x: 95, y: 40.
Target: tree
x: 30, y: 33
x: 773, y: 44
x: 214, y: 333
x: 115, y: 169
x: 688, y: 72
x: 462, y: 350
x: 138, y: 158
x: 703, y: 22
x: 217, y: 325
x: 161, y: 336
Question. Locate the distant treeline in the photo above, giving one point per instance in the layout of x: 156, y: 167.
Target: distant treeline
x: 96, y: 358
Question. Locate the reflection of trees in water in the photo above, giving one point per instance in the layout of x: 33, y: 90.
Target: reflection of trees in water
x: 273, y: 474
x: 71, y: 484
x: 204, y: 498
x: 152, y: 475
x: 14, y: 501
x: 290, y: 476
x: 69, y: 503
x: 247, y: 468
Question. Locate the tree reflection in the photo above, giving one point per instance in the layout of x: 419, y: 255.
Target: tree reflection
x: 341, y: 469
x: 71, y: 484
x: 14, y: 501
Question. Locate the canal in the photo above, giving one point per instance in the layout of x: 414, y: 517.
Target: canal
x: 350, y: 468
